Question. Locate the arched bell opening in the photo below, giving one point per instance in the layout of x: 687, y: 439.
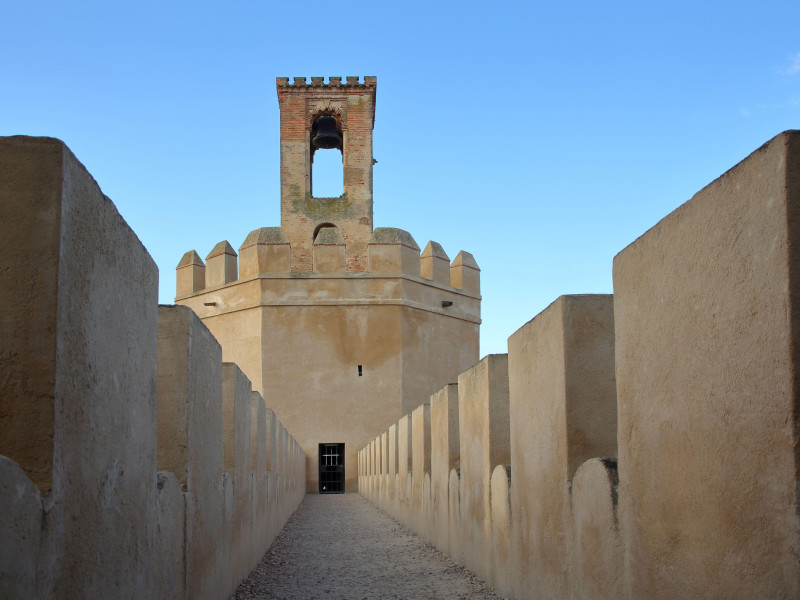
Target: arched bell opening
x: 327, y: 165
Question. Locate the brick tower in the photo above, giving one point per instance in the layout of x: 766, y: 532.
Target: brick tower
x: 352, y: 107
x: 342, y: 328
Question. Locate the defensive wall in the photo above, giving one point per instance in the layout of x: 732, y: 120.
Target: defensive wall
x: 642, y: 445
x: 134, y: 463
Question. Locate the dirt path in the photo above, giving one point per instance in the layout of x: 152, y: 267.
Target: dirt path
x: 341, y: 546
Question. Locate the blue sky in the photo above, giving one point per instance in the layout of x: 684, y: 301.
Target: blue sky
x: 541, y: 137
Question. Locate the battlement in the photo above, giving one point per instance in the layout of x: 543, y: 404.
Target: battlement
x: 266, y: 251
x: 351, y: 81
x: 221, y: 265
x: 191, y: 273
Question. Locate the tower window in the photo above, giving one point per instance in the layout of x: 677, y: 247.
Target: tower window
x: 327, y: 161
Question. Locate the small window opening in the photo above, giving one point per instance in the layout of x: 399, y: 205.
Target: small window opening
x: 359, y: 370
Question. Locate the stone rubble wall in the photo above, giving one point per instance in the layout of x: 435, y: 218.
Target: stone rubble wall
x: 642, y: 445
x: 134, y: 463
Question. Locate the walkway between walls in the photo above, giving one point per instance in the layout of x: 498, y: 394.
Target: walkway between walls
x: 340, y: 546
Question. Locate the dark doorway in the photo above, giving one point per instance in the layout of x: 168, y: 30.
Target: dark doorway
x: 331, y: 468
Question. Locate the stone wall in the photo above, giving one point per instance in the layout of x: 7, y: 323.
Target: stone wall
x: 129, y: 467
x: 640, y: 446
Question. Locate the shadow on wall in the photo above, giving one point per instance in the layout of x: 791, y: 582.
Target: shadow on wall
x: 135, y: 464
x: 682, y: 383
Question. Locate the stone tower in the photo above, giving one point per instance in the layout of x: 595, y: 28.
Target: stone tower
x: 342, y: 328
x: 352, y: 106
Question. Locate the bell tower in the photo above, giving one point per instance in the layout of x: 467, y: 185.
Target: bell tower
x: 326, y: 117
x: 341, y: 326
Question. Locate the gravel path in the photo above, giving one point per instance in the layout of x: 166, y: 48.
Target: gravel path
x: 340, y: 546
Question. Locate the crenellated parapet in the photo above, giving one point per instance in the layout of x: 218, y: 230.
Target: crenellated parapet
x: 267, y: 252
x: 351, y: 81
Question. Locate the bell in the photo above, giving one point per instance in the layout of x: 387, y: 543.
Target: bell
x: 326, y: 136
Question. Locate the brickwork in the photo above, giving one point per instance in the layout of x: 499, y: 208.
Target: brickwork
x: 353, y: 105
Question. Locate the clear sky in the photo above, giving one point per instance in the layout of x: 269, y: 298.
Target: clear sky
x: 541, y: 137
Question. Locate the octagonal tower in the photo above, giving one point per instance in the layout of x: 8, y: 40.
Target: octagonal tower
x: 342, y: 328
